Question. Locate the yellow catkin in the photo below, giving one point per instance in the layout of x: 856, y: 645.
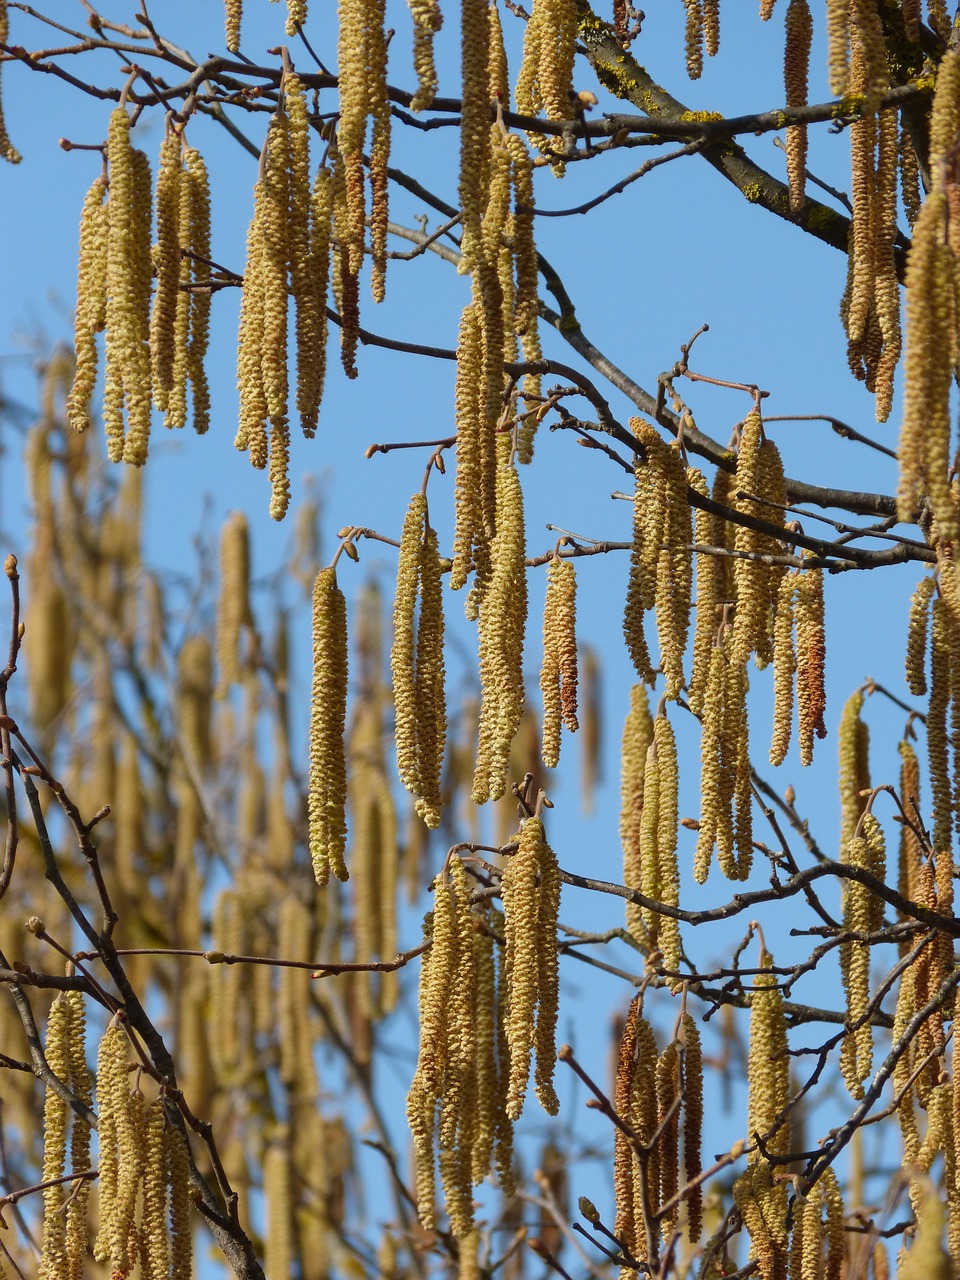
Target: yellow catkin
x: 430, y: 691
x: 838, y: 42
x: 470, y: 425
x: 625, y: 1224
x: 761, y: 495
x: 326, y: 794
x: 278, y: 1193
x: 296, y: 16
x: 402, y: 660
x: 167, y: 260
x: 886, y: 285
x: 154, y: 1242
x: 7, y: 149
x: 303, y: 286
x: 90, y: 316
x: 591, y: 720
x: 909, y: 172
x: 195, y: 214
x: 853, y: 744
x: 669, y: 1093
x: 784, y: 668
x: 857, y: 1052
x: 693, y: 38
x: 917, y: 636
x: 692, y: 1122
x: 76, y: 1242
x: 310, y: 287
x: 521, y: 912
x: 637, y: 737
x: 768, y: 1067
x: 558, y: 675
x: 232, y: 20
x: 427, y: 21
x: 799, y: 30
x: 544, y: 83
x: 811, y: 658
x: 251, y: 433
x: 503, y: 612
x: 925, y: 453
x: 911, y: 849
x: 548, y: 980
x: 127, y: 384
x: 937, y: 732
x: 233, y: 605
x: 714, y: 793
x: 668, y: 873
x: 57, y: 1051
x: 927, y: 1259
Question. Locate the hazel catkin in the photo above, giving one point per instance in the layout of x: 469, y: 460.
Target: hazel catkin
x: 326, y: 796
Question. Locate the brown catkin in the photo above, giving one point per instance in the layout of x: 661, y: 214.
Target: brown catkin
x: 784, y: 669
x: 430, y: 691
x: 326, y: 796
x: 548, y: 980
x: 669, y: 1092
x: 693, y: 38
x: 917, y: 636
x: 799, y: 31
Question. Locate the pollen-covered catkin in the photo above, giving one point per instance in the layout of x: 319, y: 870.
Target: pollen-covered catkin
x: 57, y: 1052
x: 503, y: 614
x: 692, y: 1079
x: 427, y: 21
x: 548, y: 980
x: 860, y: 915
x: 637, y: 737
x: 811, y: 658
x: 233, y: 604
x: 7, y: 149
x: 768, y: 1066
x: 90, y: 315
x: 402, y: 662
x: 668, y: 874
x: 167, y: 266
x: 127, y: 383
x: 917, y: 636
x: 558, y: 675
x: 232, y: 20
x: 799, y: 30
x: 326, y: 796
x: 521, y: 913
x: 784, y: 669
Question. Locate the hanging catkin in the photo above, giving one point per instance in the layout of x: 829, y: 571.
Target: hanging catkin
x: 558, y: 675
x: 811, y: 659
x: 326, y: 796
x: 7, y: 149
x: 503, y: 611
x: 90, y: 315
x: 796, y: 62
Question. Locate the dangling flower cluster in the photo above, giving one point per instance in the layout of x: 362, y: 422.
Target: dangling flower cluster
x: 660, y: 568
x: 416, y: 663
x: 726, y: 816
x: 327, y: 791
x: 796, y: 65
x: 545, y: 81
x: 862, y: 913
x: 761, y: 495
x: 654, y: 1093
x: 558, y: 675
x: 7, y: 149
x: 457, y: 1099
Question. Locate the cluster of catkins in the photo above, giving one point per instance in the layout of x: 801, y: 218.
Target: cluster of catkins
x: 486, y: 1010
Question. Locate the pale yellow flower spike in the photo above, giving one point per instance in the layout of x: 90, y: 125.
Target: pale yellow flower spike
x: 427, y: 21
x: 402, y: 653
x: 917, y: 636
x: 768, y: 1067
x: 853, y: 743
x: 154, y: 1242
x: 856, y: 1055
x: 251, y: 434
x: 431, y: 700
x: 90, y: 316
x: 811, y: 658
x: 232, y: 20
x: 77, y: 1233
x: 475, y: 124
x: 637, y: 737
x: 521, y: 912
x: 167, y: 258
x: 799, y: 31
x: 558, y: 677
x: 548, y: 980
x: 7, y: 149
x: 668, y: 877
x: 303, y: 284
x: 784, y: 669
x: 503, y: 612
x: 886, y: 284
x: 937, y: 734
x: 57, y: 1051
x: 469, y: 417
x: 233, y: 603
x: 625, y: 1224
x: 296, y: 16
x: 838, y: 44
x: 137, y: 375
x: 692, y: 1122
x: 327, y: 788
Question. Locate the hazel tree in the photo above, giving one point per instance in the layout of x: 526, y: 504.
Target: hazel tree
x: 209, y: 937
